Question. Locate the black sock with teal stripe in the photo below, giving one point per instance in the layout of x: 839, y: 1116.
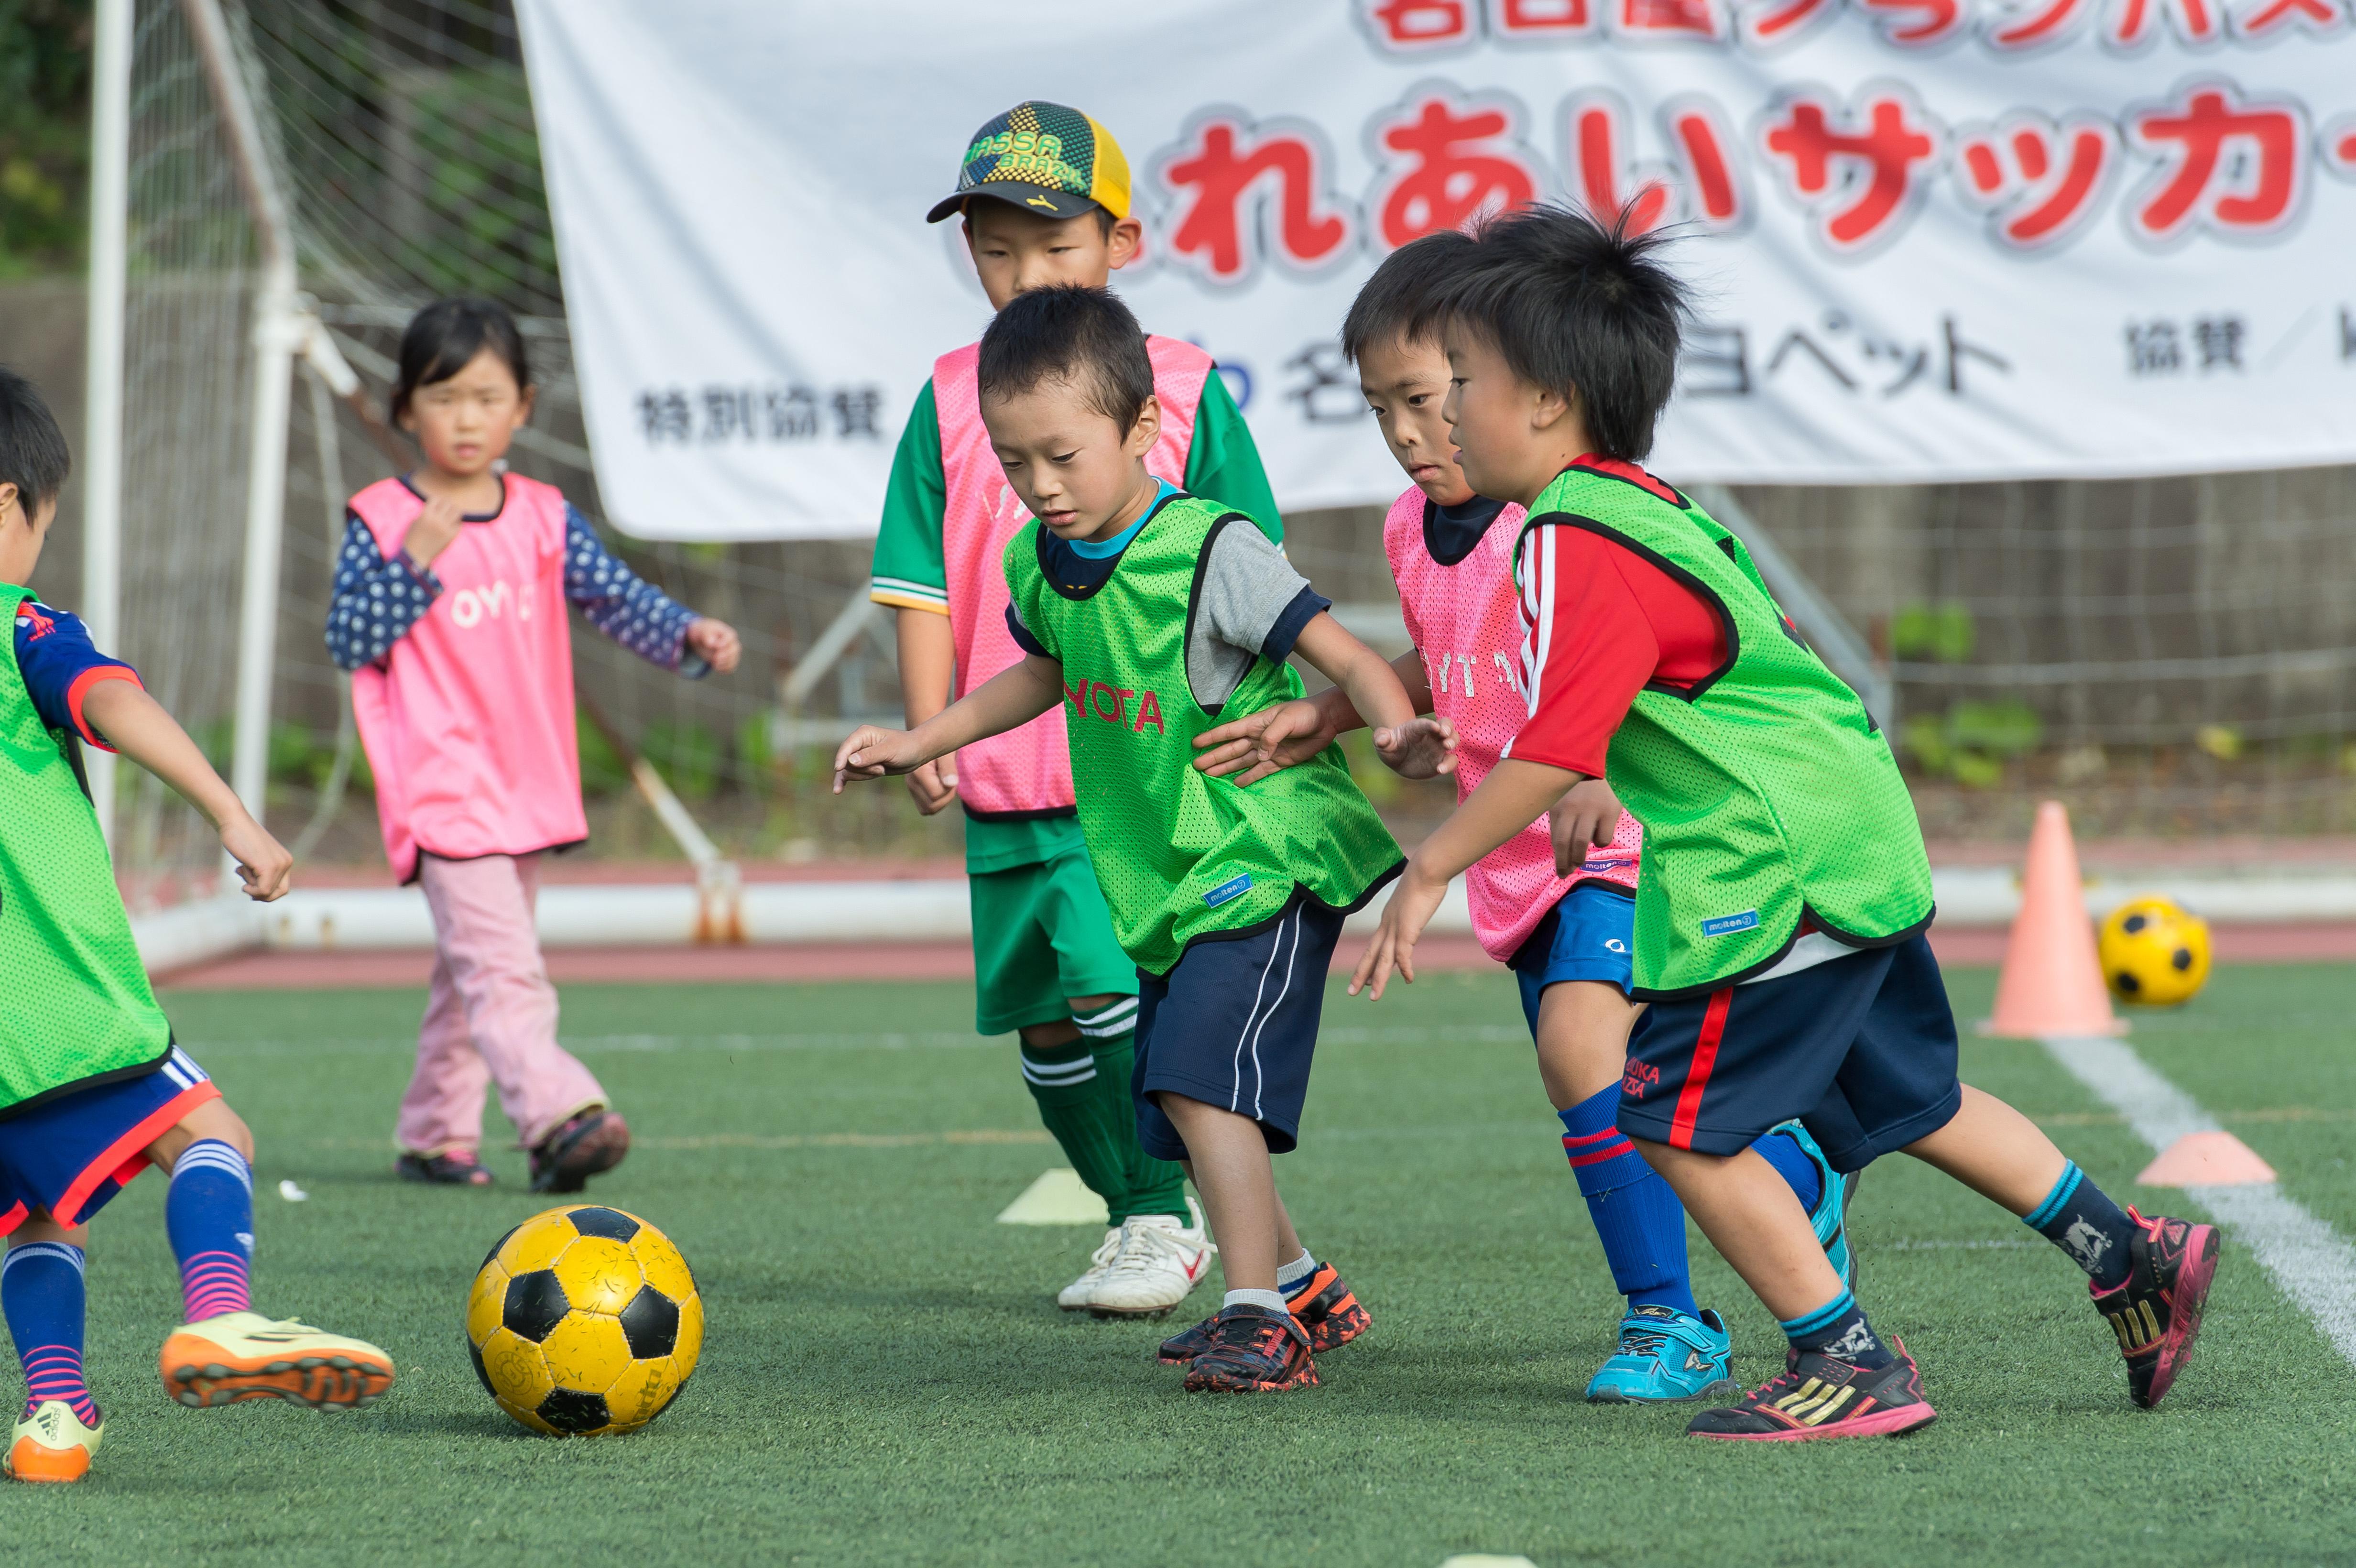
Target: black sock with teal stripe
x: 2079, y: 1218
x: 1838, y: 1329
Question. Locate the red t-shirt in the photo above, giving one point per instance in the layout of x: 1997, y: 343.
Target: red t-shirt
x: 1601, y: 622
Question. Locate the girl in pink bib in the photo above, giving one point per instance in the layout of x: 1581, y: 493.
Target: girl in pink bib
x: 1556, y: 903
x: 449, y: 610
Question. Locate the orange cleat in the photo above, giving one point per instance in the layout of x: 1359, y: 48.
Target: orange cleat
x: 243, y: 1354
x: 52, y: 1444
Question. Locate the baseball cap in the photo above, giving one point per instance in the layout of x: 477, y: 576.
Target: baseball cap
x: 1044, y: 158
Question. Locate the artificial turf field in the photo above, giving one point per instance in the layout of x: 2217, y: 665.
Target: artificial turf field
x: 886, y: 1379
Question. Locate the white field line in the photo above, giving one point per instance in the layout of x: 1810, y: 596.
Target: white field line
x: 2313, y: 1263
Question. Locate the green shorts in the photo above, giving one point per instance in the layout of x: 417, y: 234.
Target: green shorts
x: 1041, y: 933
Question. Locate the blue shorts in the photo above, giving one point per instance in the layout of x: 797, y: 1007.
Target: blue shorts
x: 1587, y: 935
x: 67, y: 1157
x: 1861, y: 1050
x: 1234, y: 1025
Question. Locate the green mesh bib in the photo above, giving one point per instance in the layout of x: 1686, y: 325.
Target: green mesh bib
x: 79, y: 1009
x: 1766, y: 793
x: 1181, y: 854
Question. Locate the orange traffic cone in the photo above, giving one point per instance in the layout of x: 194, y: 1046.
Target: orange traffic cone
x: 2052, y: 982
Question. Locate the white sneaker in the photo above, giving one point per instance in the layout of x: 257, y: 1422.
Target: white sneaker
x: 1078, y: 1296
x: 1159, y: 1263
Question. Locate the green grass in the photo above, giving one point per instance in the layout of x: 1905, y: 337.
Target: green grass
x: 886, y: 1379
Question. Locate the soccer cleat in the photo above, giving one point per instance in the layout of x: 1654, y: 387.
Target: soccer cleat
x: 1324, y: 1304
x: 1823, y: 1396
x: 1253, y: 1350
x: 1075, y: 1296
x: 1666, y: 1355
x: 52, y: 1444
x: 1829, y: 1218
x: 1158, y: 1265
x: 2157, y: 1312
x: 1329, y: 1309
x: 590, y: 1143
x: 442, y: 1169
x: 243, y: 1354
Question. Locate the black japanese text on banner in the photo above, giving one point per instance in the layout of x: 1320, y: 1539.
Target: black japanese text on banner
x: 1931, y: 239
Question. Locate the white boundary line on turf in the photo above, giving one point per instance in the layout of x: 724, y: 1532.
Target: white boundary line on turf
x: 2312, y: 1263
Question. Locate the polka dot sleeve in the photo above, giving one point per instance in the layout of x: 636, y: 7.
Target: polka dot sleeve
x: 375, y: 601
x: 624, y: 605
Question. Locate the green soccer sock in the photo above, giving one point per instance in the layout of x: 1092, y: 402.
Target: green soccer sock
x: 1096, y: 1135
x: 1153, y: 1186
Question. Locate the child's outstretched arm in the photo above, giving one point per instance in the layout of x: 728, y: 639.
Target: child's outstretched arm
x: 1514, y: 795
x: 135, y: 725
x: 1289, y: 733
x: 637, y: 615
x: 1007, y: 700
x: 1416, y: 747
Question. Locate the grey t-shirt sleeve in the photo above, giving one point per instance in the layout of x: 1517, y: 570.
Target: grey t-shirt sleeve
x: 1251, y: 604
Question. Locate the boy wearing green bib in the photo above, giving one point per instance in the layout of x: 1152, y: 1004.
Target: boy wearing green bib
x: 1784, y: 894
x: 1148, y: 612
x: 92, y: 1089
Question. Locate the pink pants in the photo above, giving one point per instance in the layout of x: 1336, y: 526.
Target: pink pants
x: 491, y: 1017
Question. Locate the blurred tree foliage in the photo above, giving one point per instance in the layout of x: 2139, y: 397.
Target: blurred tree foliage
x: 44, y: 134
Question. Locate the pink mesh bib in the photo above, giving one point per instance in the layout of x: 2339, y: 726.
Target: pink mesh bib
x: 1466, y: 621
x: 468, y: 721
x: 1025, y: 772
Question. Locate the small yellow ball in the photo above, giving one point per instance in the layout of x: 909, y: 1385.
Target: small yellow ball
x: 2155, y: 954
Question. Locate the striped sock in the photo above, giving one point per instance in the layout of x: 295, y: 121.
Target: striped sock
x: 1096, y: 1130
x: 2079, y: 1218
x: 1154, y: 1186
x: 1838, y: 1328
x: 209, y: 1215
x: 41, y: 1296
x: 1637, y: 1216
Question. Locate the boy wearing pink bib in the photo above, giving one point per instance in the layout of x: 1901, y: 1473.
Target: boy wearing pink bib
x: 1044, y: 193
x: 1555, y: 904
x: 449, y: 610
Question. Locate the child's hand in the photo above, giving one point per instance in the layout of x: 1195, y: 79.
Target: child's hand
x: 934, y: 785
x: 871, y: 752
x: 262, y: 863
x: 1421, y: 749
x: 433, y: 530
x: 716, y: 642
x: 1587, y: 817
x: 1283, y: 736
x: 1412, y: 904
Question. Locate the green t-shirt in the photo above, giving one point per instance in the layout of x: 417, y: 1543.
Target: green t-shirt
x: 911, y: 570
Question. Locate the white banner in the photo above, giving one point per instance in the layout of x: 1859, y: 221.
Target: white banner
x: 1933, y: 240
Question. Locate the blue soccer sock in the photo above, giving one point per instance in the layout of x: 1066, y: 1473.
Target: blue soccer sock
x: 1637, y: 1216
x: 41, y: 1296
x: 1792, y: 1163
x: 2079, y: 1218
x: 1838, y: 1328
x: 208, y: 1214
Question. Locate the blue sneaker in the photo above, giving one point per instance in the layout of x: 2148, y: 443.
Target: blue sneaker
x: 1666, y: 1355
x: 1830, y: 1216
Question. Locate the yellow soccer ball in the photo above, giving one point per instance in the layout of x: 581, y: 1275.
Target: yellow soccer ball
x: 585, y: 1320
x: 2155, y: 954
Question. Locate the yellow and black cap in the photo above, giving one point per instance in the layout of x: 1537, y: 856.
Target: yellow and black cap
x: 1044, y: 158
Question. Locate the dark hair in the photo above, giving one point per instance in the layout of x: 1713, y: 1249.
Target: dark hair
x: 1396, y: 303
x: 1586, y: 310
x: 445, y: 334
x: 33, y: 451
x: 1103, y: 214
x: 1069, y: 333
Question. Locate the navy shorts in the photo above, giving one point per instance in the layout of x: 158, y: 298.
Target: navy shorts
x: 67, y: 1157
x: 1587, y: 935
x: 1861, y: 1050
x: 1234, y: 1025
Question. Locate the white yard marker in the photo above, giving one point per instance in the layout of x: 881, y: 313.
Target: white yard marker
x: 2313, y: 1263
x: 1057, y: 1198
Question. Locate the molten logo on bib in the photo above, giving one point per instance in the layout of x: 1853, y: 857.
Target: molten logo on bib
x: 1233, y: 888
x: 1727, y: 924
